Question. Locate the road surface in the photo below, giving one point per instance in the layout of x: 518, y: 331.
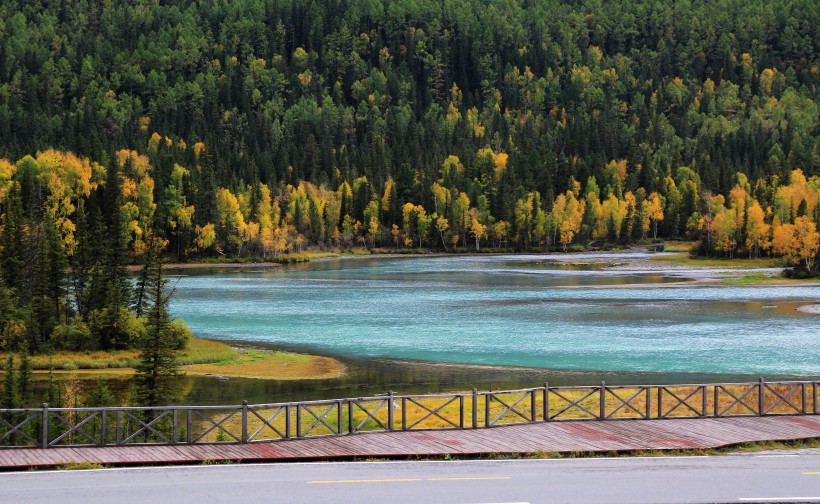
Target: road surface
x: 750, y: 478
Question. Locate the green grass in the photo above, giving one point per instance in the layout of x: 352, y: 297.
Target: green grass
x: 71, y: 361
x: 79, y: 466
x: 202, y: 351
x: 748, y: 279
x: 678, y: 246
x: 684, y: 259
x: 302, y: 257
x: 202, y: 357
x: 248, y: 363
x: 199, y: 351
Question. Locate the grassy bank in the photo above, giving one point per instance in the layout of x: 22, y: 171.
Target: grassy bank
x: 684, y: 259
x: 247, y: 363
x: 202, y: 357
x: 756, y: 279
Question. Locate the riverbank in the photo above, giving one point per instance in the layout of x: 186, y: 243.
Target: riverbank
x: 201, y: 358
x: 675, y: 259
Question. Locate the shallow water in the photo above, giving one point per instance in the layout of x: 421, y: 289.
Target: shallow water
x: 509, y: 311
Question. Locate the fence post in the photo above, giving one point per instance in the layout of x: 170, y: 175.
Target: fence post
x: 602, y: 414
x: 339, y: 416
x: 189, y: 426
x: 475, y: 408
x: 705, y: 402
x: 647, y: 403
x: 104, y: 428
x: 175, y: 426
x: 487, y: 399
x: 298, y: 420
x: 461, y: 411
x: 118, y: 428
x: 350, y: 426
x: 287, y: 421
x: 532, y: 404
x: 244, y: 422
x: 390, y: 404
x: 44, y: 442
x: 803, y: 398
x: 403, y: 413
x: 760, y: 393
x: 660, y: 401
x: 716, y: 390
x: 546, y: 401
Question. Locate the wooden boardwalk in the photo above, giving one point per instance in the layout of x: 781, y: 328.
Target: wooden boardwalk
x: 587, y: 436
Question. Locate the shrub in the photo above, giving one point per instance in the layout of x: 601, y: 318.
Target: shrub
x: 75, y: 336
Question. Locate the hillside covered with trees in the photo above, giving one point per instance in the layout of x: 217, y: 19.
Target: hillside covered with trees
x: 260, y: 127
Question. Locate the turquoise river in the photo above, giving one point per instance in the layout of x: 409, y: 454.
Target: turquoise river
x: 543, y: 312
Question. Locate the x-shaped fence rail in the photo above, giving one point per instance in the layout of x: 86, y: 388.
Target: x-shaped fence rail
x: 57, y: 427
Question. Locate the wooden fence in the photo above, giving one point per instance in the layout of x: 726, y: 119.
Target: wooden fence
x: 62, y: 427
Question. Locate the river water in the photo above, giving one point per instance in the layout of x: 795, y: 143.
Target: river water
x: 549, y: 316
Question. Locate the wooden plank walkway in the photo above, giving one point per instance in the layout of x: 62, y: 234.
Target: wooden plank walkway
x: 587, y: 436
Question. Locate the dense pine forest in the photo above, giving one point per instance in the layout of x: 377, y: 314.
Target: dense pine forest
x: 256, y: 128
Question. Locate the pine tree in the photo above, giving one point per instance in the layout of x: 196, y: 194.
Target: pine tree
x: 157, y: 371
x: 24, y: 386
x: 81, y: 262
x: 56, y: 265
x: 8, y: 400
x: 101, y: 396
x: 110, y: 286
x: 12, y: 262
x: 144, y: 280
x: 95, y: 298
x: 54, y: 392
x: 116, y: 262
x: 8, y: 313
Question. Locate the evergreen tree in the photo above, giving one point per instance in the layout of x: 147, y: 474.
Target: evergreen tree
x: 144, y: 280
x: 9, y: 398
x: 118, y: 287
x: 55, y: 267
x: 54, y: 392
x: 23, y: 379
x: 100, y: 396
x: 82, y: 262
x: 156, y: 380
x: 110, y: 287
x: 12, y: 245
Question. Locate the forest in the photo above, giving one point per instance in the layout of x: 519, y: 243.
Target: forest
x: 131, y: 131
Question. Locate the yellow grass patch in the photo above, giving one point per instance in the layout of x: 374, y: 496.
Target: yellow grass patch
x: 271, y: 365
x: 684, y: 259
x: 202, y: 357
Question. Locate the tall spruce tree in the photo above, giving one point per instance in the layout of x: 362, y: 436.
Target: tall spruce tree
x: 81, y: 262
x: 24, y: 385
x: 157, y: 370
x: 8, y: 399
x: 12, y: 240
x: 110, y: 289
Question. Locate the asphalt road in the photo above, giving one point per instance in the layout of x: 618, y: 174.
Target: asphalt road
x: 746, y: 478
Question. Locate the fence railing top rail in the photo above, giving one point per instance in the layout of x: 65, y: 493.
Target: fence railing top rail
x: 512, y: 391
x: 382, y: 397
x: 434, y: 396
